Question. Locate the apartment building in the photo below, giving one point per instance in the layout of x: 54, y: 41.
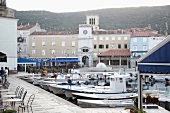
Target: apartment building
x: 85, y: 44
x: 8, y: 37
x: 141, y: 42
x: 23, y: 32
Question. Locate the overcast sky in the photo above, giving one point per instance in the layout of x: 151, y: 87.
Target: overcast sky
x: 79, y: 5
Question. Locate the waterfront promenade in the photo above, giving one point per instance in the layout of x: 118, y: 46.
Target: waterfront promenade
x: 46, y: 102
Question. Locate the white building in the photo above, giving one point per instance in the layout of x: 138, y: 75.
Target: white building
x: 23, y: 38
x: 8, y: 38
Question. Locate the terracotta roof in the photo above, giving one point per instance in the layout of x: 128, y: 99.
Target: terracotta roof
x: 116, y: 52
x: 145, y: 34
x: 55, y: 33
x: 21, y: 27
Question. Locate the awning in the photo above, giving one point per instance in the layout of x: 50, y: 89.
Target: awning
x: 157, y: 60
x: 25, y: 61
x: 3, y: 57
x: 67, y: 60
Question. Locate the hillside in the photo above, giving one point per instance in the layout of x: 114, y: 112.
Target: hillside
x: 112, y: 18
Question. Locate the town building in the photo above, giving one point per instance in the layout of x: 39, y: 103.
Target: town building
x: 23, y: 38
x: 85, y: 44
x: 141, y: 42
x: 8, y: 37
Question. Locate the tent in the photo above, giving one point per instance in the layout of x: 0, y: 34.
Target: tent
x: 154, y: 62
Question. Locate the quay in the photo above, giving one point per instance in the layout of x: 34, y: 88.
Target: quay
x: 46, y: 102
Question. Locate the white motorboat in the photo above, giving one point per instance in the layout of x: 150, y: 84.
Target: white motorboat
x: 117, y: 87
x: 104, y: 103
x: 113, y: 96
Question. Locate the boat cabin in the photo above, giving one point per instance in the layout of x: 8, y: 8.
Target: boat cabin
x: 118, y: 83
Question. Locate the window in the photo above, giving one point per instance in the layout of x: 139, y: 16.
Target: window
x: 63, y: 52
x: 33, y: 44
x: 85, y: 50
x: 33, y: 52
x: 125, y: 46
x: 53, y: 52
x: 73, y: 52
x: 101, y: 38
x: 144, y: 40
x: 95, y: 38
x: 107, y: 38
x: 63, y: 43
x: 53, y: 43
x: 144, y: 48
x: 101, y: 46
x: 134, y: 39
x: 113, y: 46
x: 125, y: 38
x: 121, y: 80
x: 113, y: 38
x: 43, y: 43
x: 119, y: 38
x: 94, y: 46
x: 134, y: 48
x: 43, y: 52
x: 73, y: 44
x: 119, y: 46
x: 107, y: 46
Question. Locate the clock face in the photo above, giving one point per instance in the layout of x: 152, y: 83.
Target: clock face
x: 85, y: 32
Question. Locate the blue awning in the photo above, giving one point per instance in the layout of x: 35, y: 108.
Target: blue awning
x: 26, y: 61
x: 67, y: 60
x: 157, y: 60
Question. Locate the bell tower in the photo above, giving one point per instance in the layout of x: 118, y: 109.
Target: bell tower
x: 93, y: 20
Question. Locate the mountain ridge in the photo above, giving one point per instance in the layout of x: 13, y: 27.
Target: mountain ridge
x: 110, y: 18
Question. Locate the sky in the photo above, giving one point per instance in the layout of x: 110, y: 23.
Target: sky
x: 60, y: 6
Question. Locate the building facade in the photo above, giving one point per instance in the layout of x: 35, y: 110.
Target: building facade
x: 23, y: 38
x: 141, y: 43
x: 8, y: 37
x: 85, y: 44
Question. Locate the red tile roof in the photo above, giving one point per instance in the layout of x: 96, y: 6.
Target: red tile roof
x: 116, y: 53
x: 21, y: 27
x: 55, y: 33
x: 145, y: 34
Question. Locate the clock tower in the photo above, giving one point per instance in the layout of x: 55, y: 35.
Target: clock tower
x: 85, y: 44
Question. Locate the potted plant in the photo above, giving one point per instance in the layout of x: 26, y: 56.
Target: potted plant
x: 148, y: 98
x: 154, y: 100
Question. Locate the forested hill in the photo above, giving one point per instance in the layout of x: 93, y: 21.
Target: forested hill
x: 113, y: 18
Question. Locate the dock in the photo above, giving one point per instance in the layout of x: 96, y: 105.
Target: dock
x: 46, y: 102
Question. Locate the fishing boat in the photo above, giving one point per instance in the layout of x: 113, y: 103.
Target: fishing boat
x: 117, y: 87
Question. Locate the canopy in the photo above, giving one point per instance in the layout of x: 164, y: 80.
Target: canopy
x: 25, y: 61
x: 68, y: 60
x: 157, y: 60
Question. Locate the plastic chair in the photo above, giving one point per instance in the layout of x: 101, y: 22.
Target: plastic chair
x: 29, y: 103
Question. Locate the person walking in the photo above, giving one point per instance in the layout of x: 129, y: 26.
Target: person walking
x: 6, y: 74
x: 2, y: 72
